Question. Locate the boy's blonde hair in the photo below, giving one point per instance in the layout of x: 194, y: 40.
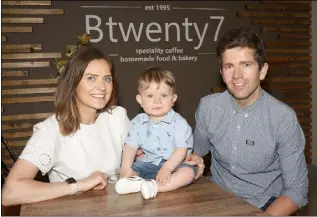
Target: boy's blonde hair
x: 157, y: 75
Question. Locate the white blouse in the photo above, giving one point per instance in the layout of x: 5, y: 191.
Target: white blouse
x: 93, y: 147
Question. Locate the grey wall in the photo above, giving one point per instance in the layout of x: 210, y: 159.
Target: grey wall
x: 314, y: 79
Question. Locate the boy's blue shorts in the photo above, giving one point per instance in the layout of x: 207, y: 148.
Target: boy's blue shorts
x: 148, y: 170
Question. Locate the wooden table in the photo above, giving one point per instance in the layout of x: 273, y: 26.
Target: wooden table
x: 200, y: 198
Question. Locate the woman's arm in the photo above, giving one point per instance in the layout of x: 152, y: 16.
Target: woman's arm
x: 20, y: 186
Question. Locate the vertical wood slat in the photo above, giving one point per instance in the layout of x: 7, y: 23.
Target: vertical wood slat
x: 290, y: 44
x: 287, y: 59
x: 21, y: 46
x: 27, y: 82
x: 18, y: 143
x: 26, y: 3
x: 294, y: 87
x: 281, y: 22
x: 292, y: 65
x: 18, y: 56
x: 28, y: 91
x: 303, y: 73
x: 22, y: 20
x: 10, y: 135
x: 277, y: 29
x: 290, y: 79
x: 16, y: 29
x: 33, y: 11
x: 298, y: 73
x: 25, y: 116
x: 279, y: 7
x: 14, y: 73
x: 289, y: 1
x: 272, y: 14
x: 24, y: 64
x: 17, y: 126
x: 289, y: 51
x: 292, y: 36
x: 20, y: 50
x: 32, y: 99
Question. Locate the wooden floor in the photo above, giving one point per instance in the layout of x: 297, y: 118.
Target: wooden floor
x: 309, y: 210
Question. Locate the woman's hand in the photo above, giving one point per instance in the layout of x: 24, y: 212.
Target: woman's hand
x: 95, y: 181
x: 195, y: 159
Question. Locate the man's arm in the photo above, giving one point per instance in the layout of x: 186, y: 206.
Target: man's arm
x: 291, y: 143
x: 282, y: 206
x: 201, y: 141
x: 194, y: 159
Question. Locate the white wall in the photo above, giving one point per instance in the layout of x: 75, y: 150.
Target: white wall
x: 314, y: 80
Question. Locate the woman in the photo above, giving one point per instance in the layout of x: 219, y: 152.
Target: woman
x: 81, y: 144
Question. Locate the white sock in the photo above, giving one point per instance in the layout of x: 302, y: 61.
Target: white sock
x: 128, y: 185
x: 149, y: 189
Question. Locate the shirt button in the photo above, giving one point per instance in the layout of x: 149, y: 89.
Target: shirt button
x: 158, y: 149
x: 246, y: 115
x: 238, y: 127
x: 234, y: 148
x: 232, y: 167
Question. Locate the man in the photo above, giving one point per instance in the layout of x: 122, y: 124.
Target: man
x: 256, y: 142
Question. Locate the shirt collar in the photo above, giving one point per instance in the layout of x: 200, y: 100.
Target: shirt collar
x: 166, y: 119
x: 249, y: 108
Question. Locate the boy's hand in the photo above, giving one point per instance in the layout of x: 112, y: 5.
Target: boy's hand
x: 163, y: 176
x: 127, y: 172
x: 139, y: 153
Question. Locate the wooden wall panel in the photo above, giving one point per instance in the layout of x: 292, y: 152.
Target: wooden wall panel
x: 8, y: 65
x: 28, y: 82
x: 288, y: 55
x: 32, y: 11
x: 25, y: 117
x: 22, y: 20
x: 14, y: 73
x: 28, y: 91
x: 21, y: 46
x: 19, y: 61
x: 26, y: 3
x: 16, y: 29
x: 18, y: 56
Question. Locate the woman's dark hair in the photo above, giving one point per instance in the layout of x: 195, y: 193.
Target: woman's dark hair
x: 66, y: 108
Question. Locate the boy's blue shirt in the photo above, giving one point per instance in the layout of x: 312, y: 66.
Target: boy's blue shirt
x: 159, y: 139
